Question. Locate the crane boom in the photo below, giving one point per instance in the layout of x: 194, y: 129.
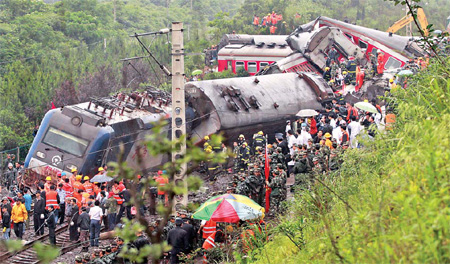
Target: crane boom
x: 401, y: 23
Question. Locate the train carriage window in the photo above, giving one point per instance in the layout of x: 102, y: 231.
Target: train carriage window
x: 362, y: 45
x: 239, y: 64
x: 65, y: 142
x: 392, y: 63
x: 262, y: 65
x: 251, y: 67
x: 349, y: 36
x: 374, y: 52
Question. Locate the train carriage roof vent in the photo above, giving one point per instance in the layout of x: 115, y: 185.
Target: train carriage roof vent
x: 282, y: 46
x: 260, y: 44
x: 271, y: 45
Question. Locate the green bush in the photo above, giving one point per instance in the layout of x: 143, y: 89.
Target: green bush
x: 390, y: 201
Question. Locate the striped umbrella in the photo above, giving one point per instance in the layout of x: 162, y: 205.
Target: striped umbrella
x: 229, y: 208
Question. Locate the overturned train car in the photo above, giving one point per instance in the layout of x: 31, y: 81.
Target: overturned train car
x: 246, y: 105
x: 88, y: 135
x: 312, y: 48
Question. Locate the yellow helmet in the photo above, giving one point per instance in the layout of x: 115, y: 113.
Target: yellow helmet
x: 206, y: 138
x: 86, y: 178
x: 48, y: 178
x: 241, y: 136
x: 327, y: 68
x: 78, y: 177
x: 260, y: 133
x: 206, y: 144
x: 208, y: 150
x: 73, y: 170
x: 101, y: 169
x: 327, y: 135
x: 245, y: 144
x: 391, y: 80
x: 344, y: 72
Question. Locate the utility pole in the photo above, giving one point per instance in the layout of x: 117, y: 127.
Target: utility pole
x: 178, y: 109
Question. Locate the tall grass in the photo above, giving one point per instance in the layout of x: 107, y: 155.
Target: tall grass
x: 390, y: 201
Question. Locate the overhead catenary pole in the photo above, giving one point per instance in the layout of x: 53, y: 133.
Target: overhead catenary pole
x: 178, y: 108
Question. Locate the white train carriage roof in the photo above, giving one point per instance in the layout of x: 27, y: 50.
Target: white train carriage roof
x: 268, y: 51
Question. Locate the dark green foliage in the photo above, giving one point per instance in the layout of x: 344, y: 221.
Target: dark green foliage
x: 69, y: 50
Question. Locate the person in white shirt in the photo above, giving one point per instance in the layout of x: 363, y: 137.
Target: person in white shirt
x: 288, y: 127
x: 96, y: 215
x: 332, y: 118
x: 337, y: 133
x: 304, y: 135
x: 353, y: 129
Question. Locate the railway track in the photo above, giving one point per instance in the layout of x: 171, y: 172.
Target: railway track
x: 28, y: 255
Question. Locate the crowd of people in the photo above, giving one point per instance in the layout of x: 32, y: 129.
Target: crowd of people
x: 308, y: 148
x: 271, y: 21
x: 342, y: 72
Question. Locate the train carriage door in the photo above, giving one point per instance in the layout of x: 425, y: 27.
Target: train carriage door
x: 229, y: 65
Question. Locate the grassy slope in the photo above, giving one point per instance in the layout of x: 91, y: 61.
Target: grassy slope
x: 398, y: 188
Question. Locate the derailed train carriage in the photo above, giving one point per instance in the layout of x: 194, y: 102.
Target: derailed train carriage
x: 87, y: 135
x: 246, y: 105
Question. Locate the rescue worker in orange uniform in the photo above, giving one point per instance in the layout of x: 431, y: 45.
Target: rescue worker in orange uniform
x: 380, y: 62
x: 255, y: 20
x: 208, y: 228
x: 96, y: 188
x: 273, y: 29
x: 68, y: 188
x: 73, y: 177
x: 101, y: 171
x: 58, y: 176
x: 77, y: 185
x: 211, y: 242
x: 88, y: 187
x: 162, y: 181
x: 47, y: 184
x: 78, y: 196
x: 117, y: 188
x: 52, y: 198
x: 359, y: 80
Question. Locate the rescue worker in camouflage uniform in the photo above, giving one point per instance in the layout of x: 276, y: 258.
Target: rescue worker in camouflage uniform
x: 170, y: 225
x: 284, y: 176
x: 260, y: 189
x: 333, y: 163
x: 317, y: 170
x: 301, y: 169
x: 278, y: 157
x: 277, y: 186
x: 242, y: 188
x: 253, y: 183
